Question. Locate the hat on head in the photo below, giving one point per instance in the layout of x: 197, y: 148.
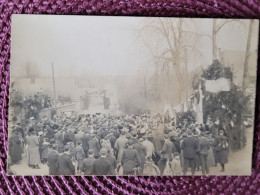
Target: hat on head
x: 66, y: 148
x: 55, y: 146
x: 130, y: 142
x: 141, y: 139
x: 40, y: 133
x: 91, y: 151
x: 128, y: 135
x: 189, y: 132
x: 103, y: 151
x: 221, y: 131
x: 31, y: 129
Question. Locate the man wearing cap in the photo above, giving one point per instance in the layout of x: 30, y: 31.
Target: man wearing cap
x: 102, y: 166
x: 142, y: 152
x: 130, y: 159
x: 52, y: 160
x: 189, y: 146
x: 65, y: 164
x: 87, y: 164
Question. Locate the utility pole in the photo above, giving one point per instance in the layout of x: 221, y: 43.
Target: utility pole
x: 245, y: 75
x: 54, y: 89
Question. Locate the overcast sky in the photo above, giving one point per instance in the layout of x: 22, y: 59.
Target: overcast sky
x: 98, y: 45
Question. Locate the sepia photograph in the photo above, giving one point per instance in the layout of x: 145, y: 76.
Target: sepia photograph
x: 109, y: 95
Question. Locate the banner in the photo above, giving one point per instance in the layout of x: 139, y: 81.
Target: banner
x: 214, y: 86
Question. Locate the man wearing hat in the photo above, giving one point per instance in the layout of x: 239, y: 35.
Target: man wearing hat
x: 93, y: 144
x: 15, y: 147
x: 87, y: 164
x: 120, y: 145
x: 203, y: 148
x: 102, y: 166
x: 166, y: 153
x: 149, y: 146
x: 189, y: 146
x: 79, y: 154
x: 52, y: 160
x: 130, y: 159
x: 222, y: 150
x: 134, y: 137
x: 65, y: 164
x: 158, y: 143
x: 41, y: 140
x: 33, y: 149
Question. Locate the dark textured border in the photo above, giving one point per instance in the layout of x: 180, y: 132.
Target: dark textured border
x: 122, y: 185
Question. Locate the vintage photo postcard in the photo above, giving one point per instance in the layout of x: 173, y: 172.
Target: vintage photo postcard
x: 92, y: 95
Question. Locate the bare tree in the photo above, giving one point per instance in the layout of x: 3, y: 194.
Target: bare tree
x: 173, y: 57
x: 216, y: 27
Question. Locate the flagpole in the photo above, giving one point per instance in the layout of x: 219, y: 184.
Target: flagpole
x: 54, y: 88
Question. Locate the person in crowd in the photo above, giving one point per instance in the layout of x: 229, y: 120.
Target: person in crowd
x: 15, y: 147
x: 120, y: 145
x: 158, y: 142
x: 149, y: 147
x: 203, y: 148
x: 93, y: 144
x: 211, y: 158
x: 222, y: 150
x: 41, y: 140
x: 52, y: 160
x: 45, y: 151
x: 111, y: 158
x: 65, y: 165
x: 33, y: 149
x: 197, y: 156
x: 102, y: 166
x: 189, y: 146
x: 105, y: 143
x: 166, y: 153
x: 176, y: 164
x: 59, y: 140
x: 142, y: 152
x: 130, y: 159
x: 79, y: 154
x: 87, y: 163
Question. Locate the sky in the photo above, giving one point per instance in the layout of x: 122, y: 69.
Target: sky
x: 99, y: 45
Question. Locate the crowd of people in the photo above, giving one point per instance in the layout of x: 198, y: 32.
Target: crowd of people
x: 29, y: 106
x: 100, y: 144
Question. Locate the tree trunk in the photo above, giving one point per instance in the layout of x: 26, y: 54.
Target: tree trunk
x: 245, y: 75
x: 214, y: 40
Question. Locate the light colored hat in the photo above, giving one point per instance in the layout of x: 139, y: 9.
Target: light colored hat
x: 103, y: 151
x: 40, y: 133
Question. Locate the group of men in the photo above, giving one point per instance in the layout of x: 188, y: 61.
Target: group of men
x: 122, y: 144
